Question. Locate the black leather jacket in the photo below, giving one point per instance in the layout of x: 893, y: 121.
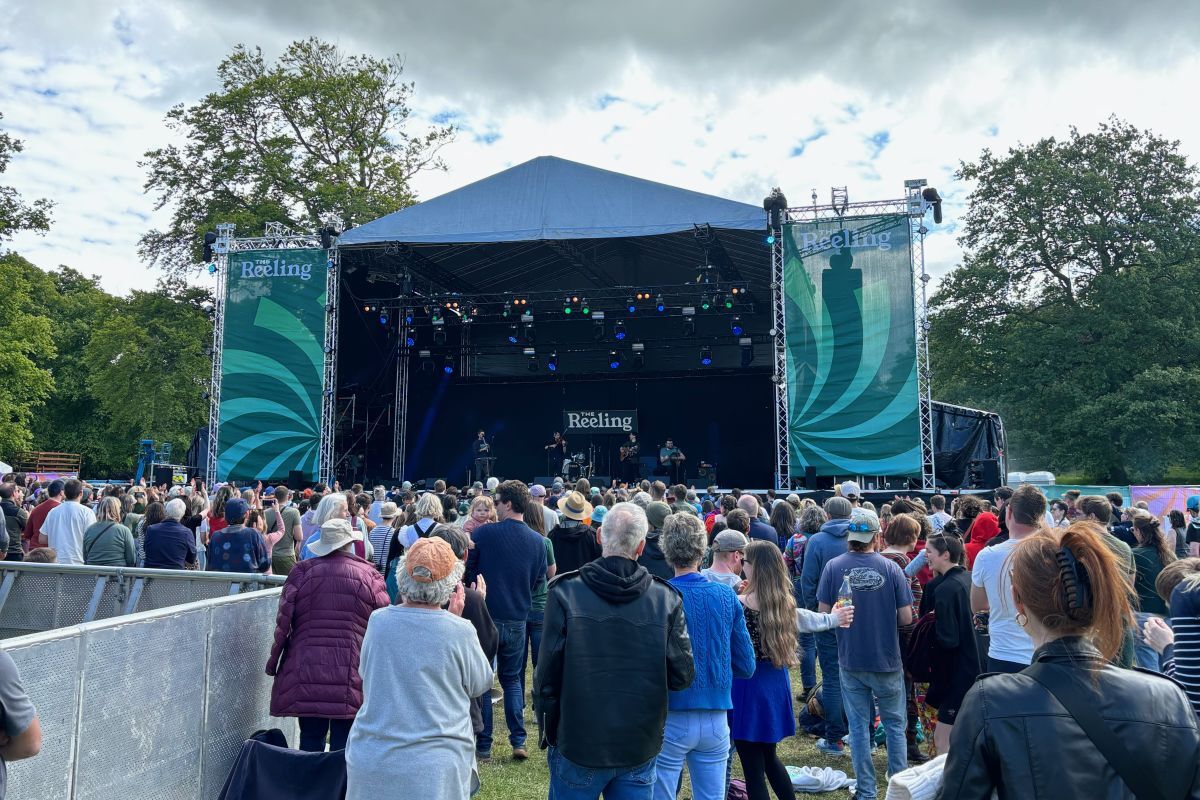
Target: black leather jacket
x: 1013, y: 737
x: 614, y: 643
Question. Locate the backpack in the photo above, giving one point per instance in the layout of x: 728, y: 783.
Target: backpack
x: 921, y: 656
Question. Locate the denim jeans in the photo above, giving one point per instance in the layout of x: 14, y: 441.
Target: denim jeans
x: 1144, y: 655
x: 831, y: 687
x: 570, y: 781
x: 858, y: 688
x: 701, y: 738
x: 808, y: 660
x: 510, y: 662
x: 533, y: 640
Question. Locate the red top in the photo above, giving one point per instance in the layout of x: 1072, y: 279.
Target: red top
x: 36, y: 517
x: 982, y: 530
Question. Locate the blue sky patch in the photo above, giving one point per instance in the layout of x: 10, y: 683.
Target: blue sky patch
x: 877, y: 142
x: 799, y: 148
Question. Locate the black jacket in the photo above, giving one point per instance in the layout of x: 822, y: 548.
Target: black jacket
x: 1014, y: 737
x: 574, y: 545
x: 652, y: 557
x: 614, y: 643
x: 14, y: 525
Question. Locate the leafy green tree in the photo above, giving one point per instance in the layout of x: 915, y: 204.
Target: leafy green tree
x: 318, y: 135
x: 150, y: 366
x: 25, y: 346
x: 1070, y: 313
x: 15, y: 214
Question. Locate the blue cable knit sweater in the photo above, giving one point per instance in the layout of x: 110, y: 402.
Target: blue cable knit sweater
x: 720, y: 644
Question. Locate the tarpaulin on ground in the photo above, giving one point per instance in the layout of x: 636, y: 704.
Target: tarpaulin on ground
x: 851, y: 347
x: 272, y: 365
x: 1161, y: 499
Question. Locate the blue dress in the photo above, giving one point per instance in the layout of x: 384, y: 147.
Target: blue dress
x: 762, y: 704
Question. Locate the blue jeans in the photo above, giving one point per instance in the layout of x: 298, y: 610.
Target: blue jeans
x: 483, y: 739
x: 831, y: 687
x: 570, y: 781
x: 510, y: 665
x: 701, y: 738
x: 808, y: 660
x: 1144, y: 655
x: 533, y: 639
x: 858, y: 689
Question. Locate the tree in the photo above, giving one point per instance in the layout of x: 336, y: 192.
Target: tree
x: 151, y: 367
x: 317, y: 135
x: 15, y: 215
x: 25, y: 344
x: 1070, y: 313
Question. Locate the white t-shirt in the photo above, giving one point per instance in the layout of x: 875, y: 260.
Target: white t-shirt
x: 938, y: 519
x: 64, y: 527
x: 727, y: 578
x: 1009, y: 642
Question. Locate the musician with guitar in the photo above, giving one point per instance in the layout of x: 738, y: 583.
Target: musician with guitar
x: 670, y: 459
x: 629, y: 460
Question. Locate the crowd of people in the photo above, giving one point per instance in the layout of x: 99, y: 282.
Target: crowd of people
x: 1013, y: 638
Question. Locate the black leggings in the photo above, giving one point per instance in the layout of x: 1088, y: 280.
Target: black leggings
x: 760, y: 764
x: 313, y: 731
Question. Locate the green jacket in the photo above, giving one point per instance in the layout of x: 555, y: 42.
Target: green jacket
x: 109, y: 544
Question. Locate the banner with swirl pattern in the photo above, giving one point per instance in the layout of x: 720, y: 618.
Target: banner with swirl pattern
x: 851, y: 347
x: 272, y: 365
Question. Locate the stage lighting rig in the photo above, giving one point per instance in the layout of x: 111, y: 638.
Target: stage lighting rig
x: 586, y: 307
x: 619, y: 331
x: 448, y: 365
x: 660, y: 305
x: 630, y: 306
x: 410, y: 338
x: 689, y: 320
x: 705, y: 303
x: 775, y: 204
x: 426, y: 361
x: 552, y: 362
x: 735, y: 326
x: 533, y: 359
x: 614, y: 359
x: 747, y: 346
x: 639, y: 355
x: 383, y: 317
x: 408, y: 316
x: 514, y: 334
x: 706, y: 356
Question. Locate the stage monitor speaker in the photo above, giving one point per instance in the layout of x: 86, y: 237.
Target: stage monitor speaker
x: 296, y: 481
x: 603, y: 481
x: 984, y: 473
x: 544, y: 480
x: 810, y: 478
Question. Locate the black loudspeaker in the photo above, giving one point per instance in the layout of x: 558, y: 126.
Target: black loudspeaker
x: 603, y: 481
x: 810, y: 478
x: 296, y: 481
x: 544, y: 480
x: 984, y: 473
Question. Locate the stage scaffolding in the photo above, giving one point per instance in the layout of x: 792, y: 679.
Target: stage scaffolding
x: 915, y: 207
x: 276, y: 236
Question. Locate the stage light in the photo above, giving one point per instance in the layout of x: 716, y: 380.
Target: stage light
x: 705, y: 303
x: 659, y: 305
x: 410, y: 339
x: 530, y: 335
x: 383, y: 317
x: 448, y: 365
x: 212, y: 269
x: 408, y: 316
x: 435, y: 315
x: 735, y: 326
x: 514, y: 334
x: 728, y: 302
x: 747, y: 345
x: 619, y: 331
x: 614, y: 359
x: 770, y: 239
x: 639, y: 355
x: 552, y: 362
x: 630, y: 306
x: 533, y: 364
x: 586, y: 307
x: 567, y: 306
x: 426, y: 361
x: 689, y: 326
x: 439, y: 336
x: 706, y: 358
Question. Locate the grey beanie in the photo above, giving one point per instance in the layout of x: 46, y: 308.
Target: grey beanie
x: 838, y: 508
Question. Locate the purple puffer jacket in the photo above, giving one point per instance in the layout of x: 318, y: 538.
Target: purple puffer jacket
x: 323, y: 614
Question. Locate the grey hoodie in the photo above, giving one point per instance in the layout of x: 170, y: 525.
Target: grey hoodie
x: 824, y: 546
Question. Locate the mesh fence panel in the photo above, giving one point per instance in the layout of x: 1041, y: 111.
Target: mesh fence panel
x: 32, y: 603
x: 74, y: 594
x: 159, y: 592
x: 49, y: 673
x: 143, y: 705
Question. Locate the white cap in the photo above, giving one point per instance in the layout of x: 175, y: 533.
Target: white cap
x: 850, y: 489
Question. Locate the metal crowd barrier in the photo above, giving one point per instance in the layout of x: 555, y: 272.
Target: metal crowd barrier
x: 148, y: 682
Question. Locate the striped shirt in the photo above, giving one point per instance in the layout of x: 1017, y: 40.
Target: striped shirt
x: 1184, y: 663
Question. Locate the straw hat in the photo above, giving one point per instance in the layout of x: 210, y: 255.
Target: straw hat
x: 335, y: 534
x: 573, y: 506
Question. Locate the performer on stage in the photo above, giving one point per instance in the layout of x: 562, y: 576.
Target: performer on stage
x: 671, y: 459
x: 557, y: 450
x: 483, y: 452
x: 629, y: 460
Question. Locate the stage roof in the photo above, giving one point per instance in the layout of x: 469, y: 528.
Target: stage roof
x: 550, y: 198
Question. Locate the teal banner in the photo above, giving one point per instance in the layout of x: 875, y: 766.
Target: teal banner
x: 851, y: 347
x: 272, y: 365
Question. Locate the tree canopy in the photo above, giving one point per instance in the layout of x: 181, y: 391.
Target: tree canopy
x: 15, y: 213
x: 316, y: 136
x: 1070, y: 313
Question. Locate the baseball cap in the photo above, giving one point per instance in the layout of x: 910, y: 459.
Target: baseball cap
x: 657, y: 513
x: 269, y: 491
x: 864, y: 526
x: 850, y: 489
x: 537, y: 490
x: 729, y: 542
x: 429, y: 560
x: 236, y: 508
x: 477, y: 485
x: 1193, y: 502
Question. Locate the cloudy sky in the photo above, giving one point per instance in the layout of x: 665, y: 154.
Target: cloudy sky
x: 721, y: 97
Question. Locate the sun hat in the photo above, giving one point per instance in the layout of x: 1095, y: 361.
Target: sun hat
x: 389, y: 511
x: 429, y: 560
x: 657, y: 513
x: 864, y: 527
x: 728, y: 541
x: 335, y: 534
x: 573, y: 506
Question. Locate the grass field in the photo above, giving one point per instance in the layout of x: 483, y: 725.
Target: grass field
x: 505, y: 779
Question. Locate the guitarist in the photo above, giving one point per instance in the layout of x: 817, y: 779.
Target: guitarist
x: 629, y: 460
x: 670, y: 459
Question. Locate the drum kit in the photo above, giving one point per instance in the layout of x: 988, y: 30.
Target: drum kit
x: 578, y: 465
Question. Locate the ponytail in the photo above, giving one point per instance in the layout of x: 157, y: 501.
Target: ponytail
x: 1070, y: 581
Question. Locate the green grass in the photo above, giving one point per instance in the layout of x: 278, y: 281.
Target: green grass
x: 505, y: 779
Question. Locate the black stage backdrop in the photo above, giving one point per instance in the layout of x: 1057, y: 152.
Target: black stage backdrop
x: 726, y: 420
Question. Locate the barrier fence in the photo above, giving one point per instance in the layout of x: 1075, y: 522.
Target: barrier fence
x: 150, y: 704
